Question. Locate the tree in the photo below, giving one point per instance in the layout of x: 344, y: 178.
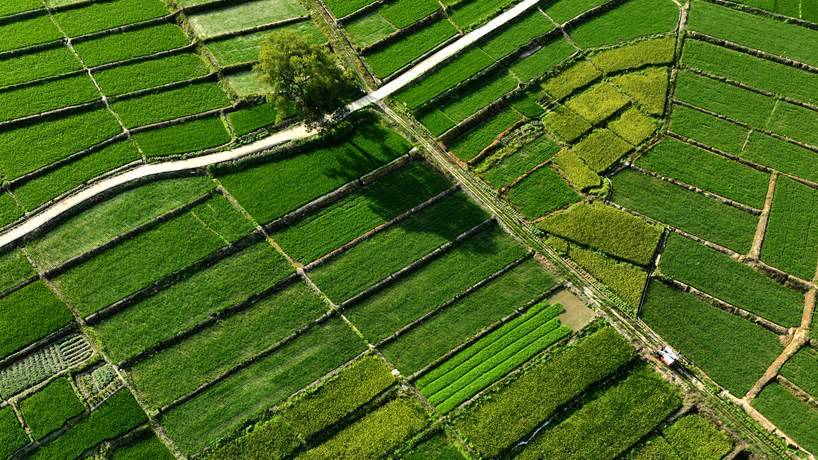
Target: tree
x: 304, y: 78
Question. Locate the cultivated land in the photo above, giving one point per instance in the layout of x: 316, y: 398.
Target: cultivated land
x: 389, y: 288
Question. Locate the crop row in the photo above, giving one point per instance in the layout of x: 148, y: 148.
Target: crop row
x: 43, y: 364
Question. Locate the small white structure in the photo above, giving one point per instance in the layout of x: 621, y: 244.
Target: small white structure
x: 668, y: 355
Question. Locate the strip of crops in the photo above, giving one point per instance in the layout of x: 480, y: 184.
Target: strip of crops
x: 20, y: 6
x: 28, y: 32
x: 191, y: 136
x: 389, y: 251
x: 101, y: 16
x: 624, y: 279
x: 341, y: 8
x: 689, y: 211
x: 377, y: 434
x: 794, y: 416
x: 244, y: 16
x: 170, y: 104
x: 612, y: 422
x: 540, y: 193
x: 249, y: 119
x: 652, y: 51
x: 9, y: 211
x: 316, y: 411
x: 473, y: 142
x: 46, y: 97
x: 179, y: 370
x: 538, y: 63
x: 648, y: 88
x: 782, y: 156
x: 756, y: 72
x: 30, y: 314
x: 49, y: 408
x: 606, y: 228
x: 37, y: 192
x: 707, y: 171
x: 791, y: 242
x: 459, y: 269
x: 520, y: 162
x: 721, y: 276
x: 802, y: 370
x: 118, y: 415
x: 433, y: 338
x: 344, y: 220
x: 476, y: 12
x: 135, y: 263
x: 404, y: 13
x: 14, y: 269
x: 795, y: 122
x: 224, y: 407
x: 150, y: 74
x: 734, y: 102
x: 754, y: 31
x: 113, y: 217
x: 245, y: 48
x: 47, y: 63
x: 692, y: 434
x: 400, y: 53
x: 633, y: 19
x: 515, y: 409
x: 188, y: 303
x: 713, y: 339
x: 708, y: 129
x: 297, y: 180
x: 129, y: 45
x: 491, y: 357
x: 460, y: 69
x: 12, y: 434
x: 601, y: 149
x: 519, y: 34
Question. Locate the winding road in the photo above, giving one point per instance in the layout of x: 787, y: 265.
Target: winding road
x: 297, y: 132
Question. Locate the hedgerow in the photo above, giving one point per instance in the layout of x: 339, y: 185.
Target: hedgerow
x: 170, y: 104
x: 713, y: 339
x: 460, y: 69
x: 540, y: 193
x: 46, y: 63
x: 28, y: 315
x: 14, y: 268
x: 633, y: 126
x: 597, y: 103
x: 790, y: 242
x: 606, y: 228
x: 601, y: 149
x: 46, y: 97
x: 132, y: 44
x: 648, y: 88
x: 795, y: 417
x: 516, y: 408
x: 576, y: 171
x: 149, y: 74
x: 731, y: 101
x: 707, y: 171
x: 630, y: 20
x: 12, y: 435
x: 390, y: 250
x: 476, y: 140
x: 571, y: 79
x: 189, y: 302
x: 689, y: 211
x: 520, y: 162
x: 707, y: 129
x: 28, y: 32
x: 567, y: 125
x: 49, y: 408
x: 780, y: 155
x: 100, y: 16
x: 653, y: 51
x: 541, y: 61
x: 191, y: 136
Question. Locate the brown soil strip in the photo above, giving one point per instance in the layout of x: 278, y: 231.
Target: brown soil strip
x: 577, y: 315
x: 799, y: 339
x: 755, y: 251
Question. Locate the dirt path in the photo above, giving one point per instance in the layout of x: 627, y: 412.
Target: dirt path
x: 297, y: 132
x: 758, y: 240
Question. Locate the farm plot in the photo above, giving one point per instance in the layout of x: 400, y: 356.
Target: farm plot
x: 597, y: 103
x: 472, y: 143
x: 445, y: 78
x: 648, y: 52
x: 14, y: 269
x: 191, y: 136
x: 9, y: 211
x: 633, y: 126
x: 342, y: 8
x: 20, y: 7
x: 146, y: 446
x: 708, y: 129
x: 540, y: 193
x: 601, y: 149
x: 150, y: 74
x: 243, y: 49
x: 731, y: 101
x: 469, y: 15
x: 562, y: 11
x: 131, y: 44
x: 490, y: 358
x: 692, y: 434
x: 45, y: 97
x: 578, y: 75
x: 565, y: 124
x: 514, y: 165
x: 108, y: 15
x: 625, y: 279
x: 244, y: 16
x: 12, y: 434
x: 795, y: 122
x: 29, y: 314
x: 791, y: 242
x: 252, y: 118
x: 34, y: 66
x: 783, y: 156
x: 49, y: 409
x: 538, y: 63
x: 802, y: 370
x: 796, y: 417
x: 633, y: 19
x: 712, y: 338
x: 648, y: 88
x: 28, y: 32
x: 170, y: 104
x: 389, y: 58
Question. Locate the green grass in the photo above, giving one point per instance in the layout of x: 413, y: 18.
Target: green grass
x: 732, y: 350
x: 190, y: 136
x: 140, y: 261
x: 626, y: 280
x: 606, y: 228
x: 520, y: 161
x: 397, y: 247
x: 397, y: 55
x: 102, y: 16
x: 189, y: 302
x: 233, y: 18
x: 12, y: 435
x: 132, y: 44
x: 564, y: 10
x: 474, y: 13
x: 707, y: 171
x: 28, y: 315
x: 249, y: 119
x: 110, y: 218
x: 571, y: 79
x: 224, y: 407
x: 46, y: 97
x: 707, y: 129
x: 118, y: 415
x: 28, y: 32
x: 459, y: 69
x: 310, y: 174
x: 601, y: 149
x: 170, y: 104
x: 14, y: 268
x: 795, y: 122
x: 150, y: 74
x: 244, y: 48
x: 475, y: 141
x: 516, y: 408
x: 538, y: 63
x: 542, y: 192
x: 380, y: 432
x: 346, y: 219
x: 567, y: 125
x: 179, y: 370
x: 613, y: 421
x: 597, y: 103
x: 431, y: 340
x: 754, y: 31
x: 756, y: 72
x: 633, y: 126
x: 654, y: 51
x: 464, y: 265
x: 633, y: 19
x: 148, y: 446
x: 648, y: 88
x: 795, y: 417
x: 533, y: 25
x: 802, y: 370
x: 782, y: 156
x: 576, y: 171
x: 49, y: 408
x: 738, y: 284
x: 689, y: 211
x: 42, y: 64
x: 731, y: 101
x: 791, y: 242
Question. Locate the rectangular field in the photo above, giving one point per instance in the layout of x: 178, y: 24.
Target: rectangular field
x: 791, y: 242
x: 707, y: 129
